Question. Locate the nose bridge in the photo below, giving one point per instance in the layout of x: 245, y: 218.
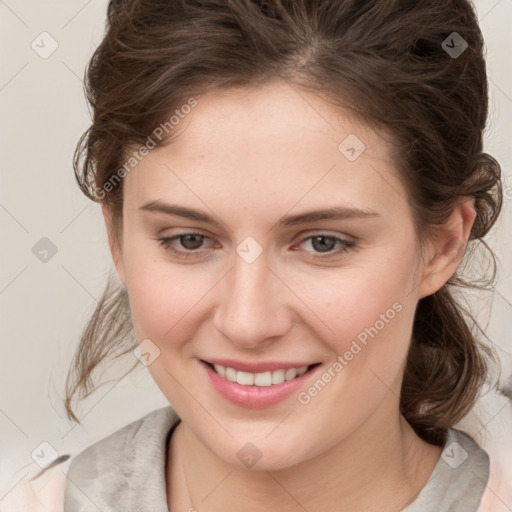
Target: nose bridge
x: 248, y: 311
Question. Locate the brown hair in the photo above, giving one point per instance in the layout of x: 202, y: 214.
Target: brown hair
x: 384, y: 60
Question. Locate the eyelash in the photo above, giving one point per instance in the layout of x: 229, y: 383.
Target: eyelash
x: 346, y: 245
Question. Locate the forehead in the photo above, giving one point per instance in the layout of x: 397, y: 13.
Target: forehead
x: 265, y: 118
x: 272, y: 141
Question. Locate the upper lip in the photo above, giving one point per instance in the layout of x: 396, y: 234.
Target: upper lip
x: 264, y: 366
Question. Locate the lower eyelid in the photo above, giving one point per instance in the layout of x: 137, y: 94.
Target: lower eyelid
x: 343, y: 244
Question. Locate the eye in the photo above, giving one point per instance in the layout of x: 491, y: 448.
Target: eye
x: 191, y: 242
x: 324, y: 243
x: 321, y: 243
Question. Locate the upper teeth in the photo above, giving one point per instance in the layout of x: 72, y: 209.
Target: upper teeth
x: 259, y: 379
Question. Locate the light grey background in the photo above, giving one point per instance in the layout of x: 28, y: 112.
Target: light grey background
x: 44, y: 306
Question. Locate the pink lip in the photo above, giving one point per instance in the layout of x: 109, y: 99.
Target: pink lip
x: 257, y: 367
x: 256, y: 397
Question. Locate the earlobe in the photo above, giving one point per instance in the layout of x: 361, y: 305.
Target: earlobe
x: 449, y: 249
x: 115, y: 250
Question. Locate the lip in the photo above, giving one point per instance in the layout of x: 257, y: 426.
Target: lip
x: 263, y: 366
x: 257, y: 397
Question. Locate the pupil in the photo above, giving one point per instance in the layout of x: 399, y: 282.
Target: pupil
x: 322, y: 247
x: 188, y: 237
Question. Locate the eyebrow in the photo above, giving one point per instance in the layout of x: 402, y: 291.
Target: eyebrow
x: 334, y: 213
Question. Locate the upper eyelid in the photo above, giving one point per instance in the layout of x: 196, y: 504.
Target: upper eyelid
x: 345, y: 246
x: 309, y: 233
x: 302, y: 237
x: 304, y: 234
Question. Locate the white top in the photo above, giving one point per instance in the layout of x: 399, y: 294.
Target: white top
x: 126, y: 471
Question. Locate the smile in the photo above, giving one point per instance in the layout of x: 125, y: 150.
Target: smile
x: 258, y: 390
x: 267, y: 378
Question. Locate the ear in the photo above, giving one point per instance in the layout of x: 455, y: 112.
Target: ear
x: 115, y: 250
x: 448, y: 248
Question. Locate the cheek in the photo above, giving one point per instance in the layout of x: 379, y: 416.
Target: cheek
x: 168, y: 300
x: 164, y: 297
x: 365, y: 316
x: 350, y: 301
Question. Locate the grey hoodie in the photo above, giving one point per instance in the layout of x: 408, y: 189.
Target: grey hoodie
x: 125, y: 472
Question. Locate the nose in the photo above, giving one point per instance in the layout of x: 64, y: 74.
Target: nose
x: 252, y: 305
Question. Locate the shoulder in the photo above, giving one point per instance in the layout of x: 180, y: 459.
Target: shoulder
x: 498, y: 492
x: 124, y: 467
x: 46, y: 490
x: 487, y: 472
x: 466, y: 465
x: 458, y: 480
x: 490, y: 423
x: 125, y: 442
x: 461, y: 447
x: 40, y: 492
x: 497, y: 496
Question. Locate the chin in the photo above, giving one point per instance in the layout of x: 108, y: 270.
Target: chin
x: 261, y: 455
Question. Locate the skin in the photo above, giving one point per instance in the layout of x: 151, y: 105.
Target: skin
x: 248, y: 157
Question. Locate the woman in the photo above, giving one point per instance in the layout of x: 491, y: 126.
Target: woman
x: 289, y: 188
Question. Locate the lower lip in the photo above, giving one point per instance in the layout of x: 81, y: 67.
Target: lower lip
x: 256, y: 397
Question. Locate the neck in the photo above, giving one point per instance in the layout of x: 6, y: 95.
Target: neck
x: 382, y: 463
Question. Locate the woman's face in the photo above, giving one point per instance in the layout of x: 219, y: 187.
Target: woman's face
x: 265, y: 285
